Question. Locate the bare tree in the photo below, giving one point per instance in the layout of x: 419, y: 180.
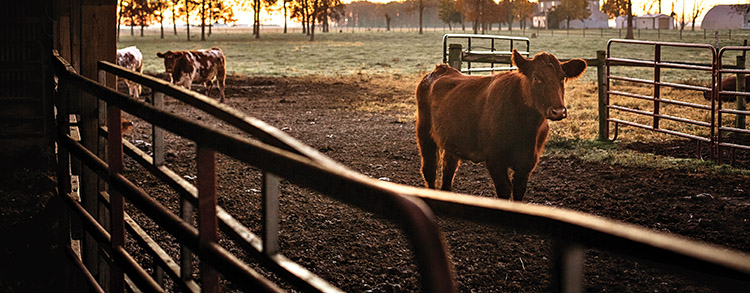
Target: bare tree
x: 698, y: 8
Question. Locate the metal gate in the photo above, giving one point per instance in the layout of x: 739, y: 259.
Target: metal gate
x: 280, y: 156
x: 728, y: 134
x: 704, y: 62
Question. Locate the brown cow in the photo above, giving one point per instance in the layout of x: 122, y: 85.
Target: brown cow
x: 499, y: 119
x: 730, y: 84
x: 201, y: 66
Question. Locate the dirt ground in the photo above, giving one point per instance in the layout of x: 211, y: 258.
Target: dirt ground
x: 367, y: 124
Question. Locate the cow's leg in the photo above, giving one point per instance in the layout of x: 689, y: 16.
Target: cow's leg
x: 428, y: 151
x: 221, y: 81
x: 520, y: 179
x: 499, y: 173
x: 450, y: 165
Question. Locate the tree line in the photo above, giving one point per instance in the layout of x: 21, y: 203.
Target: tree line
x: 481, y: 14
x: 142, y: 13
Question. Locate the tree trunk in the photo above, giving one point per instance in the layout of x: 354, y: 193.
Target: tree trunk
x: 187, y: 18
x: 629, y: 34
x: 285, y: 18
x: 142, y: 20
x: 421, y: 11
x: 257, y: 19
x: 161, y: 25
x: 203, y: 21
x: 312, y: 28
x: 119, y: 20
x: 174, y: 16
x: 132, y: 24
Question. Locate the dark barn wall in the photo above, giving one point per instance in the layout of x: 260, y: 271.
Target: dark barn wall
x: 25, y: 84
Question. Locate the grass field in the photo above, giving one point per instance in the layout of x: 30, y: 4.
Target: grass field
x: 399, y: 58
x: 372, y: 51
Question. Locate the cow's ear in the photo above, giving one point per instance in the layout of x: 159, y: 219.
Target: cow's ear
x: 160, y: 55
x: 573, y: 68
x: 521, y: 62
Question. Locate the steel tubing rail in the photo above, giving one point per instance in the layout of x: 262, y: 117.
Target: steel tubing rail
x: 214, y: 254
x: 486, y: 37
x: 670, y: 84
x: 658, y: 64
x: 712, y: 264
x: 296, y: 274
x: 414, y: 216
x: 740, y: 113
x: 251, y: 125
x: 648, y: 63
x: 152, y: 248
x: 339, y: 183
x: 90, y: 280
x: 650, y: 127
x: 726, y: 267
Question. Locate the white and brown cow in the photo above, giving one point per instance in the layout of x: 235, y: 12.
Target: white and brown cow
x: 202, y: 66
x: 131, y: 58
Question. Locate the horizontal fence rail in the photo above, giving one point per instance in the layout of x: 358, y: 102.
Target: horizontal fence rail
x: 412, y: 208
x: 657, y: 62
x: 740, y: 111
x: 482, y: 52
x: 719, y: 132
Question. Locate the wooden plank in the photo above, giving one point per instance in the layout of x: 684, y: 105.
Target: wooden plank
x: 208, y: 225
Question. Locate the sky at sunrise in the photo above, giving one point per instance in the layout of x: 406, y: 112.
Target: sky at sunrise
x: 276, y: 17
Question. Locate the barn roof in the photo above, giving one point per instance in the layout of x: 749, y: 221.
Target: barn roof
x: 725, y: 17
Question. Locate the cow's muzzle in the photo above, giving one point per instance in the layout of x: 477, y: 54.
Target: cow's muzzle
x: 556, y: 114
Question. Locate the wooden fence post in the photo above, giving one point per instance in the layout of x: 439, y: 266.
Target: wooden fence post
x: 208, y: 224
x: 270, y: 214
x: 740, y: 100
x: 568, y: 259
x: 454, y: 56
x: 601, y: 77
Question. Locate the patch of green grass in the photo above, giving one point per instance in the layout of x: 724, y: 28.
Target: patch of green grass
x: 394, y: 62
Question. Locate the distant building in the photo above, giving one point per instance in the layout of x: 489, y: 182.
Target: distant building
x: 597, y: 19
x: 727, y: 17
x: 648, y: 21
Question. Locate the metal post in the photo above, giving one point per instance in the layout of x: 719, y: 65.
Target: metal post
x: 568, y: 267
x: 208, y: 224
x: 601, y: 77
x: 186, y: 256
x: 657, y: 79
x: 157, y: 100
x: 117, y: 220
x: 740, y: 100
x: 270, y: 213
x: 454, y: 56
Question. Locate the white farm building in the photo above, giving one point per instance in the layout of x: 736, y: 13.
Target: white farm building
x: 648, y: 21
x: 727, y: 17
x: 597, y: 19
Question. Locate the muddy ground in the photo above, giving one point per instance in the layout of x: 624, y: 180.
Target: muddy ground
x: 367, y: 124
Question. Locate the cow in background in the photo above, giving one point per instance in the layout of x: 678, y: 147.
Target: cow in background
x: 730, y: 84
x: 202, y: 66
x: 500, y: 119
x: 131, y: 58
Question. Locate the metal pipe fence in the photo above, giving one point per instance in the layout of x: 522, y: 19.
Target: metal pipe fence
x: 280, y: 156
x: 712, y: 66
